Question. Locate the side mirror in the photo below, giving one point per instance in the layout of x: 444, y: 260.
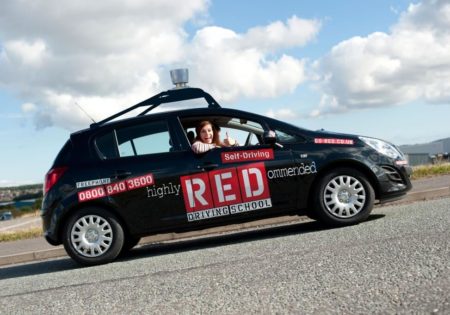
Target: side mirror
x: 270, y: 137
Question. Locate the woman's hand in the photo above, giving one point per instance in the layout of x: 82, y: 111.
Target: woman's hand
x: 228, y: 141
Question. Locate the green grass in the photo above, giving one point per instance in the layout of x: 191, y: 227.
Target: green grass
x: 21, y: 235
x: 423, y: 171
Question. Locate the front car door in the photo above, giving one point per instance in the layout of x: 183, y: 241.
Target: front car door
x: 241, y: 182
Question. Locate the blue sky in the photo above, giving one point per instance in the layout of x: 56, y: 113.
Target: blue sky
x: 377, y: 68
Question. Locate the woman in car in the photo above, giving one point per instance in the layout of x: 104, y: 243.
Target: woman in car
x: 208, y: 137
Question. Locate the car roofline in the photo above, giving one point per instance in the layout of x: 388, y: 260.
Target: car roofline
x: 169, y: 96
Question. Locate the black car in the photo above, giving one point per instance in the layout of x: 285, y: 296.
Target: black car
x: 122, y: 179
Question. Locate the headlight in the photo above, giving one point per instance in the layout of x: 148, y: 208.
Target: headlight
x: 383, y: 147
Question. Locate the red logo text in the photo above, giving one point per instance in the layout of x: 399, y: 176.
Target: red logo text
x: 210, y: 194
x: 333, y: 141
x: 247, y: 155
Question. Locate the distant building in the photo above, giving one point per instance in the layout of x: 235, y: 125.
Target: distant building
x: 427, y: 153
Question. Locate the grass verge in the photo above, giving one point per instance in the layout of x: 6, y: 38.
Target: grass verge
x: 423, y: 171
x: 21, y: 235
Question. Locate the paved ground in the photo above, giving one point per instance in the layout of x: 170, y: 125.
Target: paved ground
x: 394, y: 263
x: 38, y: 249
x: 431, y: 183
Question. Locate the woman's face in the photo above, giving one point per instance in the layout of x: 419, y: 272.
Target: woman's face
x: 206, y: 134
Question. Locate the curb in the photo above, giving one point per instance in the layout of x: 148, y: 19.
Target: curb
x: 429, y: 194
x: 32, y: 256
x: 60, y: 252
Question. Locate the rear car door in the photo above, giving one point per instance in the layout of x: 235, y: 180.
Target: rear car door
x: 141, y: 164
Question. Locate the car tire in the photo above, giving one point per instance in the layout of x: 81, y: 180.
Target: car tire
x: 93, y: 236
x: 342, y: 197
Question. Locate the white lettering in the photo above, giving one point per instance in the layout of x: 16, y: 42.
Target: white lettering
x: 163, y: 190
x: 208, y: 213
x: 94, y: 182
x: 196, y: 194
x: 250, y: 206
x: 222, y: 188
x: 248, y: 189
x: 298, y: 170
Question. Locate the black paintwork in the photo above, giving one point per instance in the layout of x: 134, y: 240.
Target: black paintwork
x: 144, y: 211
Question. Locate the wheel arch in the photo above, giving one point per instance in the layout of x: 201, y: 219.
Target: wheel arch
x: 354, y: 164
x: 94, y: 203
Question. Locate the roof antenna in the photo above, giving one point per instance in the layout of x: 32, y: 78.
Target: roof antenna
x: 85, y: 112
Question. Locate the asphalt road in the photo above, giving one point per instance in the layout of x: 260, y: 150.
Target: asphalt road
x: 397, y: 262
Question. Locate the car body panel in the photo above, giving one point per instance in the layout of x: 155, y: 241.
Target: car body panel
x: 179, y: 190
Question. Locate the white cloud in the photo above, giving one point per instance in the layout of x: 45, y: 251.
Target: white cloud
x: 106, y: 55
x: 295, y: 32
x: 102, y: 54
x: 412, y: 62
x: 232, y: 65
x: 29, y: 108
x: 283, y: 114
x: 25, y: 53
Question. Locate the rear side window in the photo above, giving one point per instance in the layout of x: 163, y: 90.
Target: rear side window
x: 106, y: 145
x: 148, y: 138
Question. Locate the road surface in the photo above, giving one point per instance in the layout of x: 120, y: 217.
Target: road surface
x: 397, y: 262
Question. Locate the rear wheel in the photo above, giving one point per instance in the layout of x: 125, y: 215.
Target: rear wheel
x: 343, y: 197
x: 93, y: 236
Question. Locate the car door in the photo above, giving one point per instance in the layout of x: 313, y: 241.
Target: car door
x: 141, y: 165
x: 234, y: 183
x: 305, y: 158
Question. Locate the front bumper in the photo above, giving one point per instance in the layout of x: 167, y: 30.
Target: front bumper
x: 394, y: 182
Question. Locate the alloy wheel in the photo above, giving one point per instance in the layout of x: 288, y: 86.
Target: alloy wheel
x: 91, y: 236
x: 344, y: 196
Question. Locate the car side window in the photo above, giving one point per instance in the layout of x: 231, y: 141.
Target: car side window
x: 147, y: 138
x: 245, y: 132
x: 106, y: 145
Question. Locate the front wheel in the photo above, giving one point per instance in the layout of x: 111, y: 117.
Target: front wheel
x: 93, y: 236
x: 343, y: 197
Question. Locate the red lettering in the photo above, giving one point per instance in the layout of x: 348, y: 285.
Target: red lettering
x: 247, y: 155
x: 139, y: 182
x: 333, y: 141
x: 90, y: 194
x: 225, y: 187
x: 253, y: 181
x: 196, y: 192
x: 116, y: 188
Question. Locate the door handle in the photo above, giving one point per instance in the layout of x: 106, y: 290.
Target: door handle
x: 208, y: 166
x: 120, y: 174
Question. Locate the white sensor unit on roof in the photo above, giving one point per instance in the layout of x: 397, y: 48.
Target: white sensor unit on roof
x: 180, y: 77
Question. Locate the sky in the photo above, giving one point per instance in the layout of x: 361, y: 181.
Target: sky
x: 375, y: 68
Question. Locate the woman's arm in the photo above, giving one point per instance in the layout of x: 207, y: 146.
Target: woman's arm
x: 200, y: 147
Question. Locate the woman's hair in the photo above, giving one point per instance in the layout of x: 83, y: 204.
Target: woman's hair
x: 216, y: 138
